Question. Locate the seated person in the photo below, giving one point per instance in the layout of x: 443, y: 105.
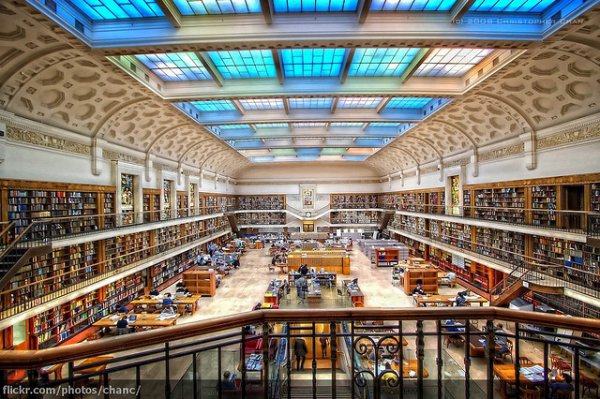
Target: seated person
x: 561, y: 386
x: 460, y: 299
x: 312, y: 273
x: 168, y: 310
x: 154, y: 292
x: 419, y: 289
x: 228, y: 381
x: 454, y: 327
x: 122, y: 326
x: 122, y: 309
x: 451, y: 276
x: 500, y: 340
x: 258, y: 306
x: 181, y: 289
x: 167, y: 301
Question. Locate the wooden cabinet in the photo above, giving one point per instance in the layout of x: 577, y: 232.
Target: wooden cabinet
x: 200, y: 282
x: 427, y: 276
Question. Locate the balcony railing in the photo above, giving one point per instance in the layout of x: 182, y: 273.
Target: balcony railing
x: 368, y: 353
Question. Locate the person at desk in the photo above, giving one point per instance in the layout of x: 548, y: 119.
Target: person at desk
x: 303, y: 270
x: 168, y: 311
x: 557, y: 387
x: 122, y: 326
x: 258, y: 306
x: 419, y: 289
x: 500, y: 340
x: 121, y: 309
x: 460, y: 299
x: 312, y: 273
x: 154, y: 292
x: 228, y: 382
x: 181, y: 289
x: 167, y: 300
x: 300, y: 351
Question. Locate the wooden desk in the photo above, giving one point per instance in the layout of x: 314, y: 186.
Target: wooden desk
x: 282, y: 268
x: 444, y: 300
x: 407, y: 367
x: 185, y: 301
x: 143, y: 320
x: 94, y: 369
x: 270, y: 299
x: 55, y: 369
x: 476, y: 347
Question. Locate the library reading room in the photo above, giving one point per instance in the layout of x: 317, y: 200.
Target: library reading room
x: 300, y: 199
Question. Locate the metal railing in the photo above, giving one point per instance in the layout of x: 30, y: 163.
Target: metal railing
x: 400, y: 352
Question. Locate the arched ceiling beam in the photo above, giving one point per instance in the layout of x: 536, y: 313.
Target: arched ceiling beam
x: 163, y: 133
x: 117, y: 109
x: 32, y: 56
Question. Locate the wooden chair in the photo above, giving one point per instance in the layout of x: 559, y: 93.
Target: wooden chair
x: 559, y: 364
x: 455, y: 340
x: 508, y: 353
x: 530, y: 393
x: 525, y: 361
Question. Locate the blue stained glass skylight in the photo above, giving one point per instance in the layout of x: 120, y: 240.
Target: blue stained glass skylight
x: 308, y: 151
x: 381, y: 61
x: 244, y: 64
x: 451, y: 61
x: 270, y: 125
x: 262, y: 159
x: 413, y: 5
x: 354, y: 157
x: 317, y: 102
x: 262, y: 103
x: 346, y: 124
x: 175, y: 66
x: 359, y: 102
x: 309, y: 124
x: 214, y: 105
x: 204, y: 7
x: 232, y: 127
x: 314, y: 5
x: 384, y: 124
x: 511, y: 5
x: 309, y: 62
x: 99, y: 10
x: 408, y: 102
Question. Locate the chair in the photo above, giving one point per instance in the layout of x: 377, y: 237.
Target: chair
x: 508, y: 353
x: 525, y: 361
x: 530, y: 393
x: 559, y: 364
x: 455, y: 340
x: 563, y: 394
x: 588, y: 385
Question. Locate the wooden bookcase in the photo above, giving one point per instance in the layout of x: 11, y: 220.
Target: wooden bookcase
x: 428, y: 277
x: 387, y: 257
x: 331, y: 261
x: 261, y: 202
x: 200, y: 282
x: 353, y: 201
x: 261, y: 218
x: 182, y: 204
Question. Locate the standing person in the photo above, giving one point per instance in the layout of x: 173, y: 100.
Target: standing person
x: 300, y: 282
x: 122, y: 326
x: 300, y: 351
x: 460, y: 299
x: 324, y: 343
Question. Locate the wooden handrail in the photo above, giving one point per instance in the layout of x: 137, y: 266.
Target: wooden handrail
x: 31, y: 359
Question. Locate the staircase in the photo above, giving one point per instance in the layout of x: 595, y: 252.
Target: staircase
x: 521, y: 280
x: 304, y: 391
x: 16, y: 253
x: 235, y: 229
x: 385, y: 220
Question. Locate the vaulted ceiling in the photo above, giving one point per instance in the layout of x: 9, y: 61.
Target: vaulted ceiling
x: 386, y: 84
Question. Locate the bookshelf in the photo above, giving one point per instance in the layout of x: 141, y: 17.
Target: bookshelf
x: 353, y: 217
x: 595, y: 207
x: 167, y: 271
x: 428, y: 276
x: 506, y: 246
x: 332, y: 261
x: 261, y: 218
x: 354, y: 201
x: 182, y: 204
x: 387, y: 257
x: 468, y: 212
x: 125, y: 250
x: 200, y: 282
x: 438, y: 199
x: 109, y: 210
x: 122, y: 291
x: 261, y: 202
x: 544, y: 198
x: 488, y: 200
x: 167, y: 238
x: 413, y: 202
x: 390, y: 201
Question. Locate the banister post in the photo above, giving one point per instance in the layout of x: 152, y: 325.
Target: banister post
x: 265, y: 343
x: 333, y: 339
x: 420, y: 349
x: 491, y: 354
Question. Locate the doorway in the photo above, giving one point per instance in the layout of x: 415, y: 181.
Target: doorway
x: 573, y: 201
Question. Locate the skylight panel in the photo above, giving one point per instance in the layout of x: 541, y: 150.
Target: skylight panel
x: 381, y: 61
x: 284, y: 151
x: 99, y: 10
x: 315, y: 5
x: 317, y: 102
x: 233, y: 127
x: 309, y: 124
x: 355, y: 157
x: 333, y: 151
x: 346, y: 124
x: 308, y: 151
x: 207, y: 7
x: 416, y: 5
x: 270, y: 125
x: 261, y: 159
x: 262, y: 103
x: 534, y: 6
x: 308, y: 62
x: 451, y: 62
x: 359, y: 102
x: 245, y: 64
x: 214, y: 105
x: 175, y: 66
x: 384, y: 124
x: 408, y: 102
x: 370, y: 142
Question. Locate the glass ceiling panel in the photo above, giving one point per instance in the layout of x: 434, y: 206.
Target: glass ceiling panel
x: 314, y: 5
x: 408, y: 102
x: 175, y: 66
x: 381, y: 61
x: 270, y: 125
x: 244, y: 64
x: 451, y: 62
x: 412, y: 5
x: 308, y: 151
x: 262, y: 159
x: 346, y: 124
x: 359, y: 102
x: 214, y: 105
x: 283, y: 151
x: 233, y: 127
x: 310, y: 102
x: 333, y: 151
x: 262, y: 103
x: 308, y: 62
x: 384, y: 124
x: 204, y: 7
x: 308, y: 124
x: 536, y: 6
x: 99, y: 10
